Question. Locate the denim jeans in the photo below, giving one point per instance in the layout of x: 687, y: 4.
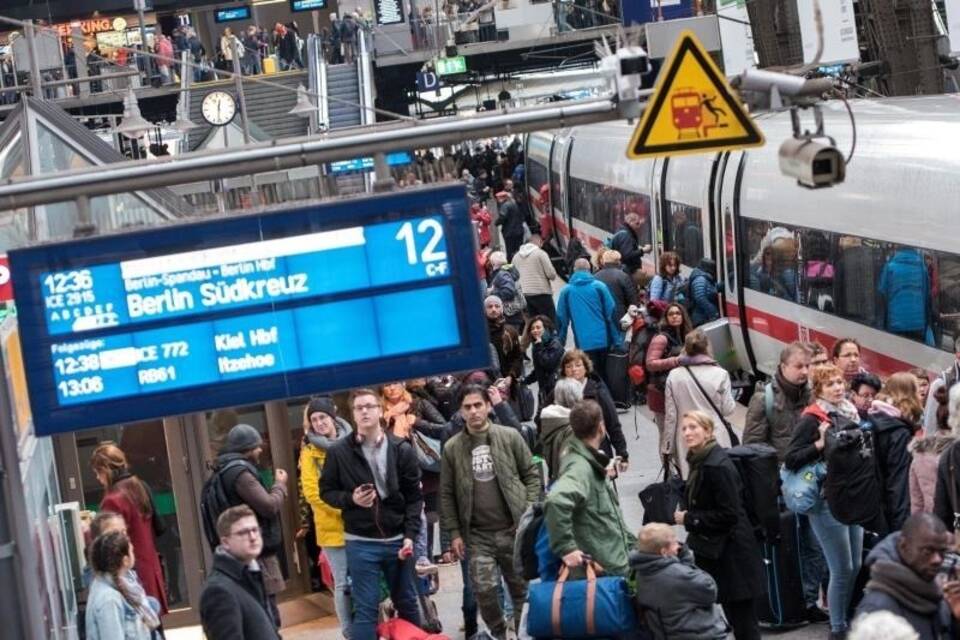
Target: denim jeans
x: 366, y: 561
x: 813, y: 565
x: 337, y: 556
x: 843, y: 547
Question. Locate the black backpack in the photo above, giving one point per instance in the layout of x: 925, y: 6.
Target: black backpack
x: 853, y: 488
x: 215, y: 499
x: 759, y: 473
x: 525, y: 559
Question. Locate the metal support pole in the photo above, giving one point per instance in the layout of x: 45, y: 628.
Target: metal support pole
x: 382, y: 178
x: 238, y: 81
x: 21, y: 606
x: 29, y: 32
x: 80, y: 61
x: 140, y: 6
x: 84, y: 227
x: 124, y: 177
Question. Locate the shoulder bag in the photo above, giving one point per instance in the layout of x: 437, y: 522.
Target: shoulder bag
x: 734, y: 439
x: 662, y: 499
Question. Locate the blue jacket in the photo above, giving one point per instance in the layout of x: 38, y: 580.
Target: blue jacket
x: 665, y: 288
x: 905, y: 287
x: 586, y: 304
x: 703, y: 290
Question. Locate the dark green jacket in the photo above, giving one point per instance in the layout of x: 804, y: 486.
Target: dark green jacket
x: 513, y: 465
x: 582, y: 512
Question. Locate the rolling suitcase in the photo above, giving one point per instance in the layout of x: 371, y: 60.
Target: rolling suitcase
x: 784, y: 607
x: 617, y: 378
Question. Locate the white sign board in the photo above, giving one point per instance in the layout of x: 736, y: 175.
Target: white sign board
x: 953, y: 24
x: 736, y: 37
x: 839, y: 31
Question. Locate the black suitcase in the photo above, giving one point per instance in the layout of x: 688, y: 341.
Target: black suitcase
x: 784, y: 606
x: 617, y: 378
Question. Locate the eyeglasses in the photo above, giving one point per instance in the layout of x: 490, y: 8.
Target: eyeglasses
x: 253, y: 532
x: 365, y: 407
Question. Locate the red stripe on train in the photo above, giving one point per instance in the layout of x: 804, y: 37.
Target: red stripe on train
x: 786, y: 330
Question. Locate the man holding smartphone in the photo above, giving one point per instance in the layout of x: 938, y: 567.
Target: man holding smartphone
x: 374, y: 479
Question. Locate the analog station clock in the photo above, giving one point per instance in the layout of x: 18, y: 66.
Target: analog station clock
x: 219, y: 108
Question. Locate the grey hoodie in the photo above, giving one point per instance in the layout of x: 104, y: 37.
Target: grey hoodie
x: 535, y: 269
x: 555, y: 432
x: 678, y: 599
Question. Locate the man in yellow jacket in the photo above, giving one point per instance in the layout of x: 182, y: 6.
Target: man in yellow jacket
x: 321, y: 428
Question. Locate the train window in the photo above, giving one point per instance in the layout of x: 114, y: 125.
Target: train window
x: 555, y: 196
x: 604, y: 206
x: 536, y: 175
x: 729, y: 250
x: 899, y: 289
x: 773, y: 262
x: 683, y: 232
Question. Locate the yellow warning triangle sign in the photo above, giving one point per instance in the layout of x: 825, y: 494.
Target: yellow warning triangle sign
x: 692, y: 109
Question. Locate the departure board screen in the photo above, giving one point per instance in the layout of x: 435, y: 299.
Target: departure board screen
x: 242, y: 309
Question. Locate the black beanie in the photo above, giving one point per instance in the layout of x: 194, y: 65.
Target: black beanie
x: 323, y: 404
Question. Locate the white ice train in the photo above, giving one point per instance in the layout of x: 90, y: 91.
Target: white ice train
x: 795, y: 263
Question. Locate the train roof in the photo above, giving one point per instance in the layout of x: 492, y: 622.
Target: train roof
x: 903, y: 181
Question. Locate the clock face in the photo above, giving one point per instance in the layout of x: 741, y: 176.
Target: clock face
x: 218, y: 108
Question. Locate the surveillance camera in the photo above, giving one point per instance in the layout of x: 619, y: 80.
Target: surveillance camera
x: 813, y: 164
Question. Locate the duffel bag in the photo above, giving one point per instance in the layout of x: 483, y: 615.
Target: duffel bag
x: 597, y: 607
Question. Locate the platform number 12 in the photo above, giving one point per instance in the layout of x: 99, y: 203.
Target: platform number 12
x: 429, y: 253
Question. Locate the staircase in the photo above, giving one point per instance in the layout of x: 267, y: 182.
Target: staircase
x: 267, y: 106
x: 343, y: 89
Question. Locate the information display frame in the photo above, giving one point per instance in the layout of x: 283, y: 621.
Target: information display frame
x: 451, y: 291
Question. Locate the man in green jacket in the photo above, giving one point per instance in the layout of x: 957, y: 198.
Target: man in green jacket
x: 487, y: 480
x: 582, y: 512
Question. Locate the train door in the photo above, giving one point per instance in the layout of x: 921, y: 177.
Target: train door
x: 658, y: 168
x: 684, y: 220
x: 726, y: 198
x: 559, y: 172
x: 539, y: 147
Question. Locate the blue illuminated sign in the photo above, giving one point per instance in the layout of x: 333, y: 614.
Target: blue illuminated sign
x: 307, y: 5
x: 247, y: 309
x: 394, y: 159
x: 231, y: 14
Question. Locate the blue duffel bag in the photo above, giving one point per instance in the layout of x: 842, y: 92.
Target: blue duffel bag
x: 598, y: 607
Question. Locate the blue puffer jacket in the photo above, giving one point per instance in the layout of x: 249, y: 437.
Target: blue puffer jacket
x: 905, y: 287
x: 587, y: 304
x: 703, y: 290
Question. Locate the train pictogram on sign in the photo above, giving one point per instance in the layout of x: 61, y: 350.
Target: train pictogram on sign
x: 692, y: 109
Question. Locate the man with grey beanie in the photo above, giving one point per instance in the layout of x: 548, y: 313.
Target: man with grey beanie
x: 240, y: 478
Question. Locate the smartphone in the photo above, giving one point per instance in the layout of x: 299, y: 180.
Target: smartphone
x: 367, y: 488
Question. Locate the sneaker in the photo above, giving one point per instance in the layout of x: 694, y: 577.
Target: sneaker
x: 816, y: 614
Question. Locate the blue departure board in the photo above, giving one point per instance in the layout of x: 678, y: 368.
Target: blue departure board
x: 236, y: 310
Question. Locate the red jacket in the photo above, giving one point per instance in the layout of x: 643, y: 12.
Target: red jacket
x: 140, y: 531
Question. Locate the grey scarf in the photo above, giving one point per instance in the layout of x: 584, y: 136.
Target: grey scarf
x: 903, y: 585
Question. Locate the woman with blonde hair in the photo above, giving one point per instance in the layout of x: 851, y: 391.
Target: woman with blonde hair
x: 842, y: 544
x: 321, y: 429
x: 895, y: 415
x: 718, y: 527
x: 129, y: 496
